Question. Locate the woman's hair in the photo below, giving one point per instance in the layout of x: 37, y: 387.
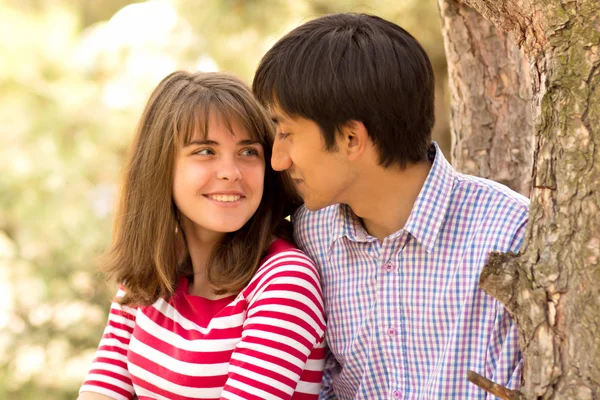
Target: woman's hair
x: 148, y: 254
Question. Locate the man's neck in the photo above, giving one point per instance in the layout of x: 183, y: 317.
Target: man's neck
x: 384, y: 198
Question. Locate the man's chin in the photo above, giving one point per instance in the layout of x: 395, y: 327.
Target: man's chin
x: 310, y: 206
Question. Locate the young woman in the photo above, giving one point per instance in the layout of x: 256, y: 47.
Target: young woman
x: 214, y: 302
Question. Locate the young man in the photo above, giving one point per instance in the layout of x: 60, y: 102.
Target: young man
x: 399, y: 236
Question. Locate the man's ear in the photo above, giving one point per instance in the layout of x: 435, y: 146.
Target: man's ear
x: 354, y: 139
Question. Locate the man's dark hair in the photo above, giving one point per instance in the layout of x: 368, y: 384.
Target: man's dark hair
x: 344, y: 67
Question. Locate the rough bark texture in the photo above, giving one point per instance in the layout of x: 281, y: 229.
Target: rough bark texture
x: 552, y: 287
x: 491, y: 124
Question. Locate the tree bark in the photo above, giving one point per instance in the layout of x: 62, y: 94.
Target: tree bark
x: 491, y: 124
x: 552, y: 288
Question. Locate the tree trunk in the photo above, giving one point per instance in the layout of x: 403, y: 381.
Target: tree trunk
x: 552, y: 287
x: 491, y: 125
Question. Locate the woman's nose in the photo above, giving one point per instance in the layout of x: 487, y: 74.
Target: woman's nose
x: 229, y: 170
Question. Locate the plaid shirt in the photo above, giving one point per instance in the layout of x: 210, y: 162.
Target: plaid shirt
x: 406, y: 319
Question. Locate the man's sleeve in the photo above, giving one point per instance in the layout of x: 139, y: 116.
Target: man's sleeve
x: 506, y: 359
x: 331, y: 366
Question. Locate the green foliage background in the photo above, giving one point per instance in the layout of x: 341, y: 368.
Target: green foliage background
x: 74, y: 76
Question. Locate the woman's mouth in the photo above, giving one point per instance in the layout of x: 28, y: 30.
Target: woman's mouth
x: 224, y: 198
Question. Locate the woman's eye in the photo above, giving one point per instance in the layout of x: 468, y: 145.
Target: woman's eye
x: 282, y: 135
x: 204, y: 152
x: 250, y: 152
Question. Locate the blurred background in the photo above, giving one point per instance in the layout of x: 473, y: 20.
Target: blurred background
x: 74, y: 76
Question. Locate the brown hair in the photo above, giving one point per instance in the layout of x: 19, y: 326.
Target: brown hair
x: 148, y: 254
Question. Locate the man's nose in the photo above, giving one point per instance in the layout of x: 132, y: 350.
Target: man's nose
x: 229, y: 170
x: 280, y: 159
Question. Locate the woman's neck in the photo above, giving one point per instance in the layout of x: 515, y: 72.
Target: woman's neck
x: 200, y: 244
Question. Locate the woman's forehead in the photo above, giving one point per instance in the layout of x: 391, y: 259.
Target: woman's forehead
x: 219, y: 127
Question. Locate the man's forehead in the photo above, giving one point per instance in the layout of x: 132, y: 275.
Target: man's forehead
x: 278, y: 115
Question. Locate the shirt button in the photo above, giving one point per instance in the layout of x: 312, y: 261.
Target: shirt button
x: 389, y: 267
x: 397, y: 394
x: 392, y: 332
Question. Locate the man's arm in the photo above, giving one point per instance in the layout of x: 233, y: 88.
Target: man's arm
x: 331, y: 367
x: 506, y: 359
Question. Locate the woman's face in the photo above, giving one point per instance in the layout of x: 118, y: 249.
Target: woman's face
x: 218, y: 180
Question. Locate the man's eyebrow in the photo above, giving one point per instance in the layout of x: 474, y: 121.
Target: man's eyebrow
x: 276, y: 118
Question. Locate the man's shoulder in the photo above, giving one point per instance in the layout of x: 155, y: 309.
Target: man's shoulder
x: 490, y: 209
x: 303, y: 218
x: 485, y: 193
x: 313, y: 230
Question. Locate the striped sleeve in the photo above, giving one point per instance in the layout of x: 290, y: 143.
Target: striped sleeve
x: 331, y: 366
x: 281, y: 353
x: 108, y: 374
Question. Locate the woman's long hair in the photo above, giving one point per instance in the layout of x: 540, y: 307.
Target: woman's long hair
x: 148, y: 253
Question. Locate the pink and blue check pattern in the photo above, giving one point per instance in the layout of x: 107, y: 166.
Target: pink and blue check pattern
x: 406, y: 319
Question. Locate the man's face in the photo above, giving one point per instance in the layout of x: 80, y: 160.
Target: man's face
x: 321, y: 176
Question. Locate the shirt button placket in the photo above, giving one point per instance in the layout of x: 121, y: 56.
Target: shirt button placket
x: 389, y: 267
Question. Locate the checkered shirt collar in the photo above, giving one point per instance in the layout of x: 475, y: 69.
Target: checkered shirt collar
x: 427, y: 215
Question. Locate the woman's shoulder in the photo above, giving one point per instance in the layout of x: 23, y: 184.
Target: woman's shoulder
x: 279, y: 245
x: 287, y: 271
x: 281, y: 251
x: 283, y: 260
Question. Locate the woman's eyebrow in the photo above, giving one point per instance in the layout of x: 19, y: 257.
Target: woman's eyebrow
x: 202, y: 142
x: 247, y: 142
x: 205, y: 142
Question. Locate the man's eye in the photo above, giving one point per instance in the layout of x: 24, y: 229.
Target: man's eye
x: 282, y: 135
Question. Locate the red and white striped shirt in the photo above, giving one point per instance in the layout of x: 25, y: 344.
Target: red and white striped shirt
x: 264, y: 343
